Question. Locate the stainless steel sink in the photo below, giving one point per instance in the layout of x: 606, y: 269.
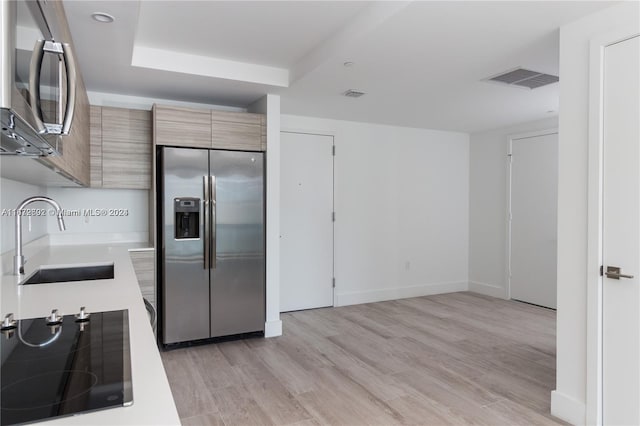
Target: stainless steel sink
x: 70, y: 273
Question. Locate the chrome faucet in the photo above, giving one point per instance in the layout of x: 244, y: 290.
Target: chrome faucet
x: 18, y: 259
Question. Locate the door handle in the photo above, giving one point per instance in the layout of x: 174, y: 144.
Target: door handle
x: 205, y: 237
x: 214, y: 219
x: 613, y: 272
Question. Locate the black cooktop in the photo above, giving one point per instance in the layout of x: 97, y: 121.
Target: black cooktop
x: 53, y: 371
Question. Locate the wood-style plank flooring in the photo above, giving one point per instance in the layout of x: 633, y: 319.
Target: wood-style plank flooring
x: 458, y: 358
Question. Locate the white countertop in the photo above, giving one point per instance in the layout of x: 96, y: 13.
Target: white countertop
x: 152, y: 399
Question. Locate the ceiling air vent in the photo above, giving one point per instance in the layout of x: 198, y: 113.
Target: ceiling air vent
x: 353, y: 93
x: 524, y: 78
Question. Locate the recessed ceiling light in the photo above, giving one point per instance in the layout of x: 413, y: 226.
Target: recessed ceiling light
x: 105, y: 18
x: 348, y: 64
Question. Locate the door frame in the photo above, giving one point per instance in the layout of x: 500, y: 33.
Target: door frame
x: 514, y: 137
x: 594, y: 379
x: 333, y: 198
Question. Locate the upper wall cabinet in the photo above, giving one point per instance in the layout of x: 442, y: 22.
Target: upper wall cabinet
x: 120, y: 148
x: 181, y: 126
x: 209, y: 129
x: 236, y: 130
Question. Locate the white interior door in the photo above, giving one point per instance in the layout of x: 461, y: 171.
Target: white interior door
x: 621, y: 234
x: 534, y: 208
x: 306, y: 223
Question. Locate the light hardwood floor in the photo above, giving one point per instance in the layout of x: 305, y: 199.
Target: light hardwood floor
x: 459, y: 358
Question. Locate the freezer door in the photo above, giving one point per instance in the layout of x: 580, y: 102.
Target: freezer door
x: 185, y: 286
x: 238, y: 247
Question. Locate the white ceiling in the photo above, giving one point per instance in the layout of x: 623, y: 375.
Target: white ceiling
x: 420, y: 63
x: 266, y: 33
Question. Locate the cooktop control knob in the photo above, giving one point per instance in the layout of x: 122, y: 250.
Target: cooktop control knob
x: 8, y: 323
x: 83, y: 315
x: 54, y: 318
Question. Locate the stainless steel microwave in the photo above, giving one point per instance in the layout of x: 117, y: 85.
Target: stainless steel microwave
x: 38, y: 78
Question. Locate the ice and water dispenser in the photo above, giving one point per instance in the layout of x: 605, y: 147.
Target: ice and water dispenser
x: 187, y: 218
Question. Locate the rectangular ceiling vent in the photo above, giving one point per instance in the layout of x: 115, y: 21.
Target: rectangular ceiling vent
x: 524, y: 78
x: 353, y: 93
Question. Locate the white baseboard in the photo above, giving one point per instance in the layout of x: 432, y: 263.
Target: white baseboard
x: 273, y: 328
x: 488, y: 289
x: 568, y: 408
x: 369, y: 296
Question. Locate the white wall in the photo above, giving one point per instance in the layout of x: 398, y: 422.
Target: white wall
x: 488, y: 206
x: 568, y: 400
x: 134, y: 227
x: 270, y: 105
x: 11, y: 194
x: 401, y: 200
x: 80, y: 230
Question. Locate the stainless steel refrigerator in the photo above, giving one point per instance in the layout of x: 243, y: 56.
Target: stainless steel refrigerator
x: 212, y: 267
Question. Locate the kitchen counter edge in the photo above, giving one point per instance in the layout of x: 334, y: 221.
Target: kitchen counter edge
x: 153, y: 402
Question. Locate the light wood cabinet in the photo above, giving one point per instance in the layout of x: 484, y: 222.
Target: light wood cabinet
x: 126, y: 148
x: 143, y: 265
x: 178, y: 126
x: 95, y: 146
x: 236, y: 117
x: 263, y: 133
x: 121, y: 148
x: 236, y: 131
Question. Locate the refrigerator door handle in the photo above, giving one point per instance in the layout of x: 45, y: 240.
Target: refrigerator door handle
x: 214, y: 250
x: 205, y: 237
